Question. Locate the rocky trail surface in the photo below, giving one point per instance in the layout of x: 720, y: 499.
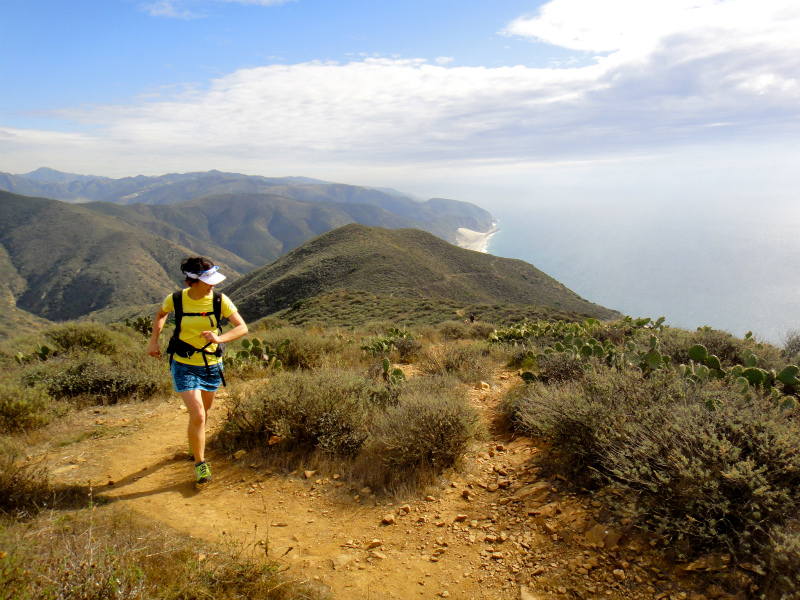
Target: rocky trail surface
x: 494, y: 530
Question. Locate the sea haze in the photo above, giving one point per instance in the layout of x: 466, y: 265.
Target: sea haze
x: 733, y: 265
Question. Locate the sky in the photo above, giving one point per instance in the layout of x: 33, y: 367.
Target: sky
x: 644, y: 111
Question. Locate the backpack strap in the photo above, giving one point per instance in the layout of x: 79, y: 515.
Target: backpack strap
x: 177, y: 304
x: 216, y: 310
x: 217, y: 304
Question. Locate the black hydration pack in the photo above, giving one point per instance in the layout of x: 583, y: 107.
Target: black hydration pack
x: 186, y: 350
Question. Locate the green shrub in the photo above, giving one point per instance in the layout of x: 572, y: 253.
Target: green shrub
x: 781, y: 564
x: 323, y: 410
x: 480, y: 330
x: 311, y: 349
x: 468, y: 362
x: 560, y: 367
x: 430, y: 426
x: 408, y: 349
x: 23, y: 408
x: 100, y: 379
x: 791, y: 344
x: 93, y: 337
x: 710, y: 467
x: 455, y: 330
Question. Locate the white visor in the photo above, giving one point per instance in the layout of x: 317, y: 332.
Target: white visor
x: 211, y: 277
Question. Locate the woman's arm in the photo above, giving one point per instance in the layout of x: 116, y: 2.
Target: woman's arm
x: 239, y: 330
x: 158, y: 325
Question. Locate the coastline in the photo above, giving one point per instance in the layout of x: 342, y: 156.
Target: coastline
x: 474, y: 240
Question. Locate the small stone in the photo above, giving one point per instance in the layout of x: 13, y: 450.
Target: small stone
x: 374, y: 544
x: 445, y: 594
x: 341, y: 561
x: 492, y: 487
x: 378, y: 555
x: 525, y: 594
x: 466, y: 494
x: 619, y: 574
x: 239, y: 454
x: 460, y: 518
x: 388, y: 519
x: 430, y: 499
x: 309, y: 474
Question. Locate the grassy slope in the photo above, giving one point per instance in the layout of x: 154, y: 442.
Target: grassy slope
x: 402, y: 263
x: 71, y: 260
x: 248, y: 230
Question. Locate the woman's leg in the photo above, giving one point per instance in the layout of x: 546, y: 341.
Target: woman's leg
x: 197, y: 423
x: 198, y: 403
x: 208, y: 400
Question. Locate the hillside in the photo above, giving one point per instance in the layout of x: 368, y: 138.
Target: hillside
x: 61, y: 261
x: 403, y: 263
x: 258, y: 228
x: 438, y: 216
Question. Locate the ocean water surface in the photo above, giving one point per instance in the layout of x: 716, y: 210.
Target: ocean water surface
x: 732, y: 266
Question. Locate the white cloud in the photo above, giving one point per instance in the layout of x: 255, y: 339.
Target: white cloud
x: 186, y: 9
x: 665, y: 80
x: 444, y: 60
x: 259, y: 2
x: 172, y: 9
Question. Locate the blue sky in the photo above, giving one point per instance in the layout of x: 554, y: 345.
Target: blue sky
x: 644, y: 112
x: 423, y: 91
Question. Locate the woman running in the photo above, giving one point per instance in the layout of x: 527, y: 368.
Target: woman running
x: 196, y: 363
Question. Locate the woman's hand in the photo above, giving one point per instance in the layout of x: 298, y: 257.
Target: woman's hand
x: 153, y: 350
x: 210, y: 336
x: 158, y: 324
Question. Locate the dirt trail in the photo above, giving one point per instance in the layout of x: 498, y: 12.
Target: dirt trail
x: 493, y: 531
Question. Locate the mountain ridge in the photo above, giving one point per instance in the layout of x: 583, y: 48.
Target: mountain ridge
x: 65, y: 260
x: 442, y: 217
x: 401, y: 262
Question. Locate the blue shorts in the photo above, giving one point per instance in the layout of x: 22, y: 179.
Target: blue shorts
x: 192, y: 377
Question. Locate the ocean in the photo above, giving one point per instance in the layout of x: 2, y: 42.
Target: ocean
x: 732, y: 267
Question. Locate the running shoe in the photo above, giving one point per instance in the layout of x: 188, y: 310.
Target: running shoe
x: 203, y: 472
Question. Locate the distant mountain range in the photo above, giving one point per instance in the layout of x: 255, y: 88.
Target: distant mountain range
x: 439, y: 216
x: 294, y: 238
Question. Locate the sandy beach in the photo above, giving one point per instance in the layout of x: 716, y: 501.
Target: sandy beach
x: 474, y: 240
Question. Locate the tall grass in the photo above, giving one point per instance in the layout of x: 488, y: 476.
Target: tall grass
x: 112, y: 553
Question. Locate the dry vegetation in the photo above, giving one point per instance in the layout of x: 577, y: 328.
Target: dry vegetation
x: 703, y: 462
